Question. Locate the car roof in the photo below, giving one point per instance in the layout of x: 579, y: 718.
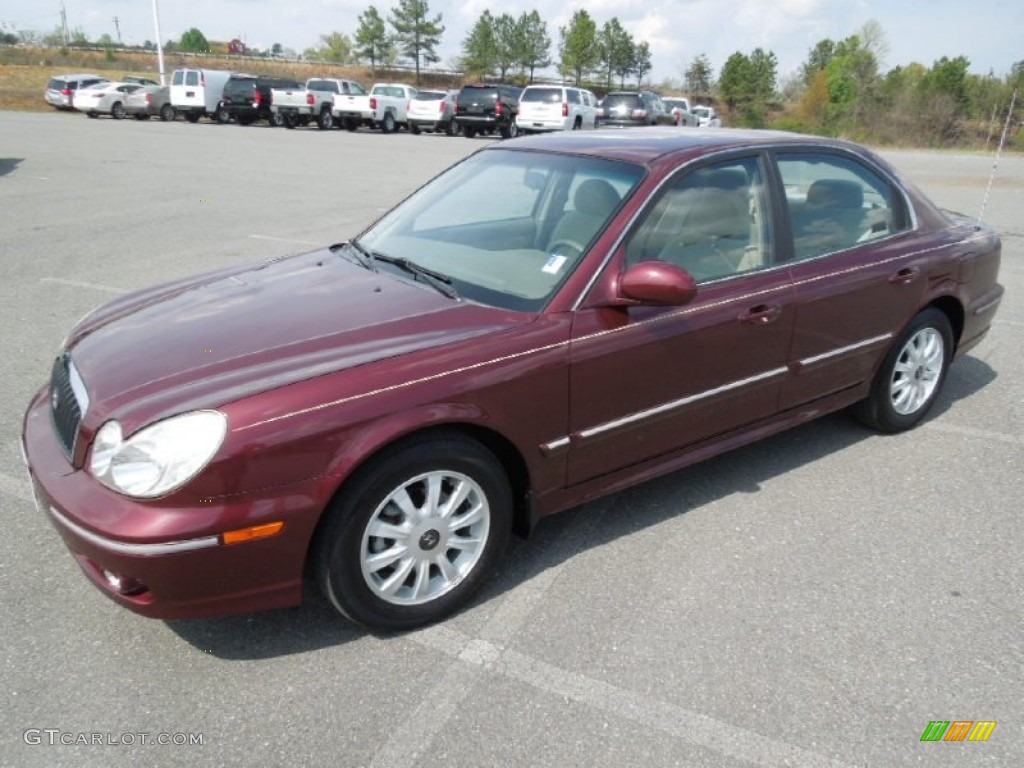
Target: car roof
x: 77, y: 76
x: 647, y: 145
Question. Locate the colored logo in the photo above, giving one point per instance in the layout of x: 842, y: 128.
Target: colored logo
x: 958, y: 730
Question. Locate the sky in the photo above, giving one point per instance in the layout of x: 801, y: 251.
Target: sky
x: 987, y: 32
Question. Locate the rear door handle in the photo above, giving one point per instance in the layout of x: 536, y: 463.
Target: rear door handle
x: 762, y: 314
x: 904, y: 276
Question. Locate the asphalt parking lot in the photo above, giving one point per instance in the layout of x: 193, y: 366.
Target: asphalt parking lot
x: 813, y: 600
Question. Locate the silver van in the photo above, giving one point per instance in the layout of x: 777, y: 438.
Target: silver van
x: 61, y: 89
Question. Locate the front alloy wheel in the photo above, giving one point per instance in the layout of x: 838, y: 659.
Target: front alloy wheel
x: 415, y: 532
x: 911, y: 375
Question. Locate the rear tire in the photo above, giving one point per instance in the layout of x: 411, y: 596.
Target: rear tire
x: 276, y: 119
x: 469, y: 132
x: 387, y: 124
x: 289, y: 121
x: 351, y: 124
x: 452, y: 128
x: 222, y: 116
x: 510, y: 130
x: 167, y: 113
x: 326, y: 120
x: 414, y: 533
x: 911, y: 375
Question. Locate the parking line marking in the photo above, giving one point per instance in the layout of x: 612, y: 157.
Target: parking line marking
x: 16, y: 487
x: 283, y: 239
x: 431, y: 715
x: 676, y: 721
x: 982, y: 434
x: 82, y: 284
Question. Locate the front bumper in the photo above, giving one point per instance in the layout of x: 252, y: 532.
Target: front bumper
x: 166, y: 560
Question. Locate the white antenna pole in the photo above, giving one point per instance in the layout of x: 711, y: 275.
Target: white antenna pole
x: 159, y: 43
x: 995, y: 163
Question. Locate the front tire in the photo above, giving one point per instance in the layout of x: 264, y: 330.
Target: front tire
x: 167, y: 113
x: 415, y: 533
x: 117, y: 111
x: 911, y: 376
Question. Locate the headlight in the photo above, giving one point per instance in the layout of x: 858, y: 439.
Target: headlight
x: 159, y: 458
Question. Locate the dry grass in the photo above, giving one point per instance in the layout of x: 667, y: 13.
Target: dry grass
x: 24, y: 72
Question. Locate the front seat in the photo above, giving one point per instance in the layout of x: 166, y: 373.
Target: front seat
x: 593, y: 203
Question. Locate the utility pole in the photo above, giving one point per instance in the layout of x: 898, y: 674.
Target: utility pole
x: 64, y: 23
x: 117, y: 26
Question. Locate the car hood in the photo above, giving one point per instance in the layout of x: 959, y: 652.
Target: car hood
x: 205, y: 342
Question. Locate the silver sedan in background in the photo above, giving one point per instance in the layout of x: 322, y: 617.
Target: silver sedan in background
x: 150, y: 100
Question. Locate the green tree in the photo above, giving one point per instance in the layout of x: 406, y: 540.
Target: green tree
x: 372, y: 39
x: 534, y: 48
x: 641, y: 61
x: 763, y: 66
x: 479, y: 48
x: 276, y: 49
x: 735, y: 81
x: 818, y: 58
x: 194, y: 41
x: 578, y: 50
x: 949, y: 76
x: 698, y: 77
x: 417, y: 35
x: 852, y: 80
x: 78, y: 37
x: 335, y: 47
x: 105, y: 40
x: 615, y: 49
x: 506, y: 32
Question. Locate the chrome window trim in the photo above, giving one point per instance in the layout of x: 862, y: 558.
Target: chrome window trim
x: 665, y: 407
x: 139, y: 550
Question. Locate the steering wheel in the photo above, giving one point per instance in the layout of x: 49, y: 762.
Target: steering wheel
x: 568, y: 247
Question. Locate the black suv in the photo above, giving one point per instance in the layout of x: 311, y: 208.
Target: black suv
x: 627, y: 108
x: 246, y: 98
x: 487, y: 108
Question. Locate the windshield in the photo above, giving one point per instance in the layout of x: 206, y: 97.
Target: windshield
x: 702, y: 112
x: 508, y: 227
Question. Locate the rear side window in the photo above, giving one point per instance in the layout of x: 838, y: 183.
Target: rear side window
x: 836, y: 203
x: 56, y: 85
x: 191, y: 78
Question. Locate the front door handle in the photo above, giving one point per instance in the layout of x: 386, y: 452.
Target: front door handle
x: 904, y: 276
x: 762, y: 314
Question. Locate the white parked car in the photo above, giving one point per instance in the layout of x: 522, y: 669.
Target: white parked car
x: 706, y: 117
x: 556, y: 108
x: 679, y: 108
x: 433, y: 111
x: 104, y: 99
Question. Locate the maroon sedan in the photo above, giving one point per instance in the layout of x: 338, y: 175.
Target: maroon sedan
x: 550, y: 320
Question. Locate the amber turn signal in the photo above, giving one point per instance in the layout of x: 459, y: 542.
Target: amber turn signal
x: 252, y: 532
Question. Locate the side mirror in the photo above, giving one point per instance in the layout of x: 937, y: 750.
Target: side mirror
x: 658, y: 283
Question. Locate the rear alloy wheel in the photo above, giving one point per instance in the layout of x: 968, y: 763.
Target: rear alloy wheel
x: 387, y: 125
x: 415, y: 533
x: 326, y: 120
x: 911, y: 376
x: 117, y: 111
x: 167, y: 113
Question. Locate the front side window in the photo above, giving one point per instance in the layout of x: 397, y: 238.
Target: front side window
x: 507, y: 226
x: 713, y: 222
x: 835, y: 202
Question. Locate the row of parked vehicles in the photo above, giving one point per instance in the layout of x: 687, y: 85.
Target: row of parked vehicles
x: 481, y: 108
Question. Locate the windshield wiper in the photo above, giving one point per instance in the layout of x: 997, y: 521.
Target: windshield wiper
x: 363, y: 257
x: 441, y: 282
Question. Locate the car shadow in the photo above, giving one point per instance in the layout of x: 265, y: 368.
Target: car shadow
x: 314, y: 625
x: 9, y: 164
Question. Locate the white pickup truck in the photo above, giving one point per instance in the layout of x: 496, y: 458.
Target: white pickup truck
x: 317, y: 101
x: 385, y: 107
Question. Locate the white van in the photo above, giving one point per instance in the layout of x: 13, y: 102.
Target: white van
x: 197, y: 92
x: 555, y: 108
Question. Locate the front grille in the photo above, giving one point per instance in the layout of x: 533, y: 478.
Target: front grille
x: 65, y: 407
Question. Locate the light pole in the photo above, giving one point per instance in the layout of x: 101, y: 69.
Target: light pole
x: 159, y: 44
